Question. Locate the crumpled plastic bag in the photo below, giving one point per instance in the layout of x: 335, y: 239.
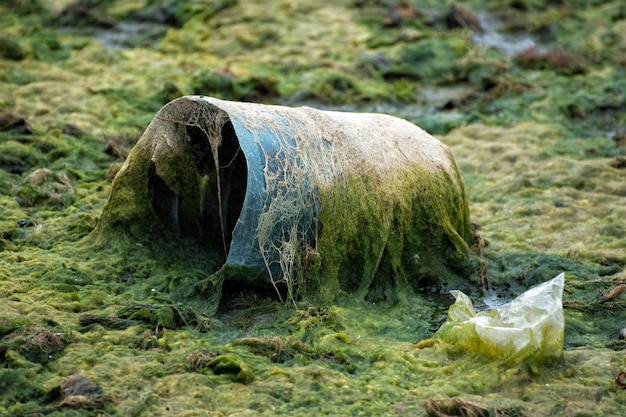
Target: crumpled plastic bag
x: 530, y: 327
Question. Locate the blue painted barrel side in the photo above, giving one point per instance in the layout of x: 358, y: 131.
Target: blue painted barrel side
x: 264, y: 151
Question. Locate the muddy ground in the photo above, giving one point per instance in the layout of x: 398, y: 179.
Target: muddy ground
x: 529, y: 95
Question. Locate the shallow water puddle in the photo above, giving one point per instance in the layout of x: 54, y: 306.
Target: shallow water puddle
x: 508, y: 43
x: 127, y: 34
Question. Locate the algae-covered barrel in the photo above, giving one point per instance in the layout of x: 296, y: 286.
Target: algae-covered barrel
x: 323, y: 202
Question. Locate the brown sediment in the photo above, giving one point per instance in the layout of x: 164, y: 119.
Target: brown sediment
x: 460, y: 16
x: 612, y: 295
x: 449, y: 407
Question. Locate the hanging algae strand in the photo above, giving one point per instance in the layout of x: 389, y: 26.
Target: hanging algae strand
x: 366, y: 193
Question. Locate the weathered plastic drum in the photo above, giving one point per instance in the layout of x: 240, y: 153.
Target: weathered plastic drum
x: 368, y: 204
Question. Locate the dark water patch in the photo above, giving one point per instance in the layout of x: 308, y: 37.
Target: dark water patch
x: 491, y: 36
x: 130, y: 34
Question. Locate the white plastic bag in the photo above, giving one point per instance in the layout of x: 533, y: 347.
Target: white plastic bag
x: 529, y: 327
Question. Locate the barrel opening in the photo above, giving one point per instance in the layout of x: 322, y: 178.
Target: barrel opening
x: 208, y: 211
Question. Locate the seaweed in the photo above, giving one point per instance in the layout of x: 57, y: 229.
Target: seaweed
x: 538, y: 139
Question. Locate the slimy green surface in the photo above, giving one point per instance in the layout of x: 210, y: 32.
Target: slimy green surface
x: 538, y: 135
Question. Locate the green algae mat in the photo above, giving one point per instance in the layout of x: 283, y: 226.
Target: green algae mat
x: 530, y: 96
